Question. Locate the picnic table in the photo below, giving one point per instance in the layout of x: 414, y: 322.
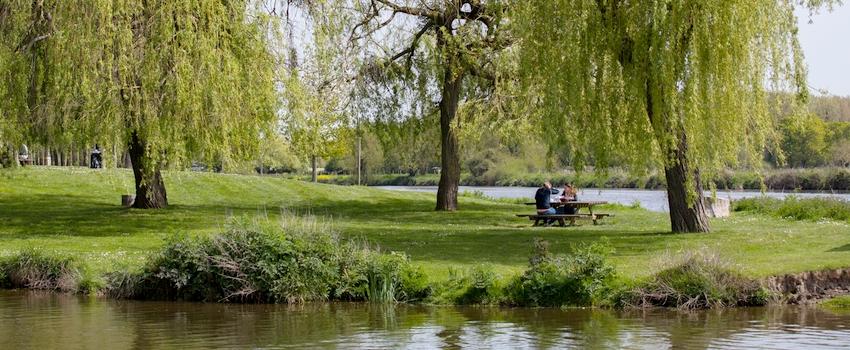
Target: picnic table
x: 561, y: 218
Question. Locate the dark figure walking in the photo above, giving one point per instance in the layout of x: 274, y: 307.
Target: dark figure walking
x: 96, y: 158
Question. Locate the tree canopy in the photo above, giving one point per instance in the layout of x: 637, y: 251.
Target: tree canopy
x: 173, y: 80
x: 676, y: 84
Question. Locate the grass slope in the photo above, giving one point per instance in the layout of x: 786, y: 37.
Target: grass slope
x: 77, y: 211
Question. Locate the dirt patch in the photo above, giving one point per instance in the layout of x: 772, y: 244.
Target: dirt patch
x: 810, y: 287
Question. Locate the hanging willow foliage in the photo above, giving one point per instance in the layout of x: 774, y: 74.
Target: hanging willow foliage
x: 674, y: 84
x: 174, y: 80
x: 705, y: 66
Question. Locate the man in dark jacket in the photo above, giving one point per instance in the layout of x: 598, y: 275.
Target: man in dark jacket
x: 542, y: 198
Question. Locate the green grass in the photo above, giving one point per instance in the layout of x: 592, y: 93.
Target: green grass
x: 838, y: 304
x: 77, y: 211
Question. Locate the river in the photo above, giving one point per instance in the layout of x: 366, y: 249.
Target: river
x: 38, y: 320
x: 654, y: 200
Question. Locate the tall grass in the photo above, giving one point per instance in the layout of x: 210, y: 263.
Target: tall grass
x: 576, y: 279
x: 837, y: 304
x: 796, y: 208
x: 36, y: 269
x: 474, y: 286
x: 695, y: 280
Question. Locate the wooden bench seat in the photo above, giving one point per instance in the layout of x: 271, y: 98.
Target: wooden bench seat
x: 561, y: 218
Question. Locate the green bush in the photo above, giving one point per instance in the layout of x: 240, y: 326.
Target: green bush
x: 36, y: 269
x: 292, y: 263
x: 477, y: 285
x: 573, y: 280
x: 696, y: 281
x: 377, y: 277
x: 243, y: 265
x: 796, y: 208
x: 122, y: 284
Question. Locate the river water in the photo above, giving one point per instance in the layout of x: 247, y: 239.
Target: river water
x: 36, y: 320
x: 654, y: 200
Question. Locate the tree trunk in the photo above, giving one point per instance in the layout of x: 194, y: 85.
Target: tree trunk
x: 150, y: 189
x: 359, y: 161
x: 313, y: 162
x: 10, y: 158
x: 685, y: 215
x: 449, y: 158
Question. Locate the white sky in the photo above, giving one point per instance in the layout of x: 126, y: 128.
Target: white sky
x: 826, y: 44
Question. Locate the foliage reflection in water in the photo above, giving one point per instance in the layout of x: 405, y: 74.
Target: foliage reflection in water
x: 50, y: 321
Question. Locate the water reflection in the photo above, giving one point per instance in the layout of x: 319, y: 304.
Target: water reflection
x: 49, y: 321
x: 654, y: 200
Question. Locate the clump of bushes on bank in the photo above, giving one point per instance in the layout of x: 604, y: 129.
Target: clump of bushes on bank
x: 479, y: 285
x: 796, y: 208
x: 578, y: 279
x: 695, y: 281
x: 34, y: 269
x: 252, y: 263
x: 581, y: 278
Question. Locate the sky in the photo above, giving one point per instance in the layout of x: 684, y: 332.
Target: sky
x: 826, y: 44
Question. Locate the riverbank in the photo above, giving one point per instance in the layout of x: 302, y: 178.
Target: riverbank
x: 76, y: 212
x: 812, y: 179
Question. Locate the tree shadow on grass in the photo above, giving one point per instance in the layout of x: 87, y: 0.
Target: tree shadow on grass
x: 480, y: 233
x: 844, y: 248
x: 82, y: 216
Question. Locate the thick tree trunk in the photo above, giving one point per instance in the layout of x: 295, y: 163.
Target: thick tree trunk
x: 9, y: 158
x: 685, y: 215
x: 315, y: 174
x: 449, y: 160
x: 150, y: 189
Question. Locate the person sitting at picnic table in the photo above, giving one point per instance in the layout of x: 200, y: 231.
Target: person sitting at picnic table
x: 542, y: 198
x: 569, y: 195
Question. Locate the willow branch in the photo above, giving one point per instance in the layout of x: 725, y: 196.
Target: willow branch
x: 410, y: 50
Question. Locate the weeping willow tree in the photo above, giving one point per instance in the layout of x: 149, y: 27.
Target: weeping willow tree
x: 171, y: 81
x: 678, y: 85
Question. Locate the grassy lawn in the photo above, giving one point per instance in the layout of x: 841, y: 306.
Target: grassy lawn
x: 78, y: 211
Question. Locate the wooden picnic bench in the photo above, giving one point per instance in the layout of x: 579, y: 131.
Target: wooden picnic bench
x: 561, y: 218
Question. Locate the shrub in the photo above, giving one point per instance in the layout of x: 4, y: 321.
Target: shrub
x: 35, y: 269
x: 391, y: 277
x: 573, y: 280
x: 293, y: 263
x: 122, y: 284
x: 839, y: 180
x: 243, y: 265
x: 696, y: 281
x: 372, y: 276
x: 477, y: 285
x: 796, y: 208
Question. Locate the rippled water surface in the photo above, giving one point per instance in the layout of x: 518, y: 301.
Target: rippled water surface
x: 655, y: 200
x: 32, y: 320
